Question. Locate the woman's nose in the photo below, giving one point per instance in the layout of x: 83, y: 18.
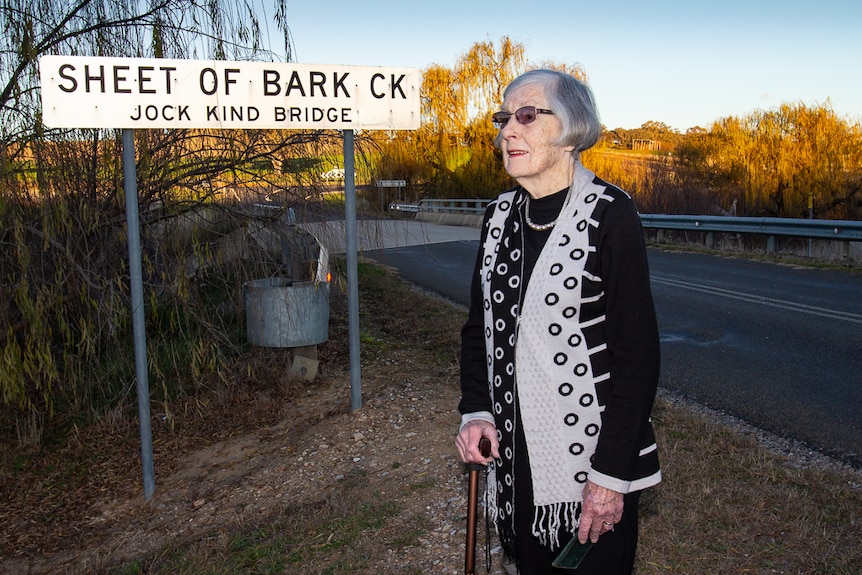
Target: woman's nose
x: 510, y: 129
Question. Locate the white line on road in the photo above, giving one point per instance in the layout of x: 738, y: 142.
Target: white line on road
x: 781, y: 304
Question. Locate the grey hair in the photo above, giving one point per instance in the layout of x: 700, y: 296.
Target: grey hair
x: 571, y: 101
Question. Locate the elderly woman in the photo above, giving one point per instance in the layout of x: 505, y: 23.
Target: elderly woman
x: 560, y: 351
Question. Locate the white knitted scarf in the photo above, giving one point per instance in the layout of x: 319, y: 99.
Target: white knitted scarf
x: 555, y: 387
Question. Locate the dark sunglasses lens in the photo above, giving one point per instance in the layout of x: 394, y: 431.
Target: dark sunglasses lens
x: 526, y: 115
x: 500, y: 119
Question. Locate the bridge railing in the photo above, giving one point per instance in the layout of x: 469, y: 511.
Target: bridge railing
x: 800, y: 228
x: 457, y: 206
x: 470, y: 211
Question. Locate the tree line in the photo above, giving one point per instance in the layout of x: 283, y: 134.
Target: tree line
x: 793, y: 161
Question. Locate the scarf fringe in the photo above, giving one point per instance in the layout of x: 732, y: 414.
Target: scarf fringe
x: 504, y: 529
x: 549, y: 520
x: 491, y: 507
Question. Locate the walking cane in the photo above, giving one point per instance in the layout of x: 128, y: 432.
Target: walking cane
x: 472, y: 507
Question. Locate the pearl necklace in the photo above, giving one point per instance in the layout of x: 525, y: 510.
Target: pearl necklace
x: 537, y: 227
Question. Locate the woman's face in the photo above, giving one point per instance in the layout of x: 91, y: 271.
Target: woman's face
x: 530, y: 154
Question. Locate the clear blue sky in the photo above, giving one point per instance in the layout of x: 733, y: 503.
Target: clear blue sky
x: 682, y: 63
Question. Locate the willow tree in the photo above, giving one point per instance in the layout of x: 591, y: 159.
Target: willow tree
x: 453, y: 153
x: 63, y: 279
x: 779, y: 162
x: 220, y: 29
x: 822, y: 163
x: 454, y: 143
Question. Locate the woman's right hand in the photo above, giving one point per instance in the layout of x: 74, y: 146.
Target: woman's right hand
x: 468, y: 438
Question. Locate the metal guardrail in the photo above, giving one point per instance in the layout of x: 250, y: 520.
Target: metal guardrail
x: 800, y: 228
x: 792, y: 227
x: 409, y: 208
x: 458, y: 206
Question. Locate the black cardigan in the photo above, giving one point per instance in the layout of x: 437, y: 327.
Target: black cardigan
x: 630, y: 331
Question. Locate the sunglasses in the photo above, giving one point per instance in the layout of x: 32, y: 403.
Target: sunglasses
x: 525, y: 115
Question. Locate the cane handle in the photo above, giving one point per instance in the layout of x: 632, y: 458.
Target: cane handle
x: 485, y: 446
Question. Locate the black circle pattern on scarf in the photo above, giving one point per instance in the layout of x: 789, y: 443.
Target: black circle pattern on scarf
x: 506, y: 276
x: 503, y: 268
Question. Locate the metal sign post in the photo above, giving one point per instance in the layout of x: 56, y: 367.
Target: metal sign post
x: 138, y: 321
x: 352, y: 271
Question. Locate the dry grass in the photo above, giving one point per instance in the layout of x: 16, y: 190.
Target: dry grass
x: 728, y: 504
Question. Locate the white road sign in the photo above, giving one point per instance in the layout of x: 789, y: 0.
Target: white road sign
x: 93, y: 92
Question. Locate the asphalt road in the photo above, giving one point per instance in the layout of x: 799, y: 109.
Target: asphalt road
x: 777, y: 346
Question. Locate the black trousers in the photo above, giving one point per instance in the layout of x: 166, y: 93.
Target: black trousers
x: 613, y: 554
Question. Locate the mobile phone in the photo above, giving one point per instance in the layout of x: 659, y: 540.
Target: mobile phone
x: 572, y: 554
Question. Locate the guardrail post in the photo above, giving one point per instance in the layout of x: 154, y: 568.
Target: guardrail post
x: 710, y: 240
x: 770, y: 245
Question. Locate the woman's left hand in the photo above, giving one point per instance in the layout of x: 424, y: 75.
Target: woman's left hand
x: 602, y: 509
